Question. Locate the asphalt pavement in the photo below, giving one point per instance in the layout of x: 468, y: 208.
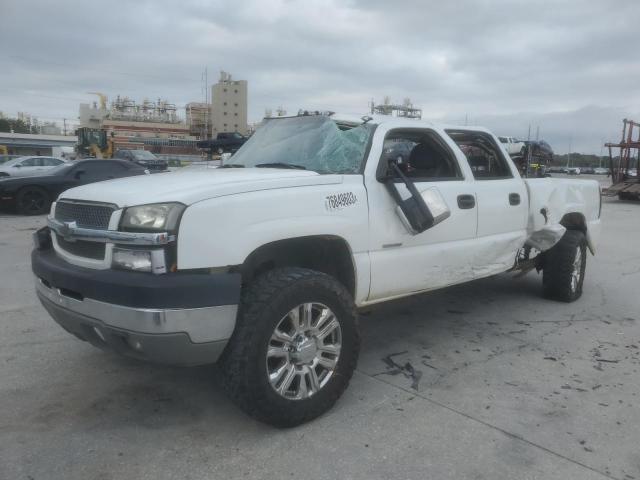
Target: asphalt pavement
x: 486, y: 380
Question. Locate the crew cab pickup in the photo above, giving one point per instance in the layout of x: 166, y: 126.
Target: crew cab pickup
x: 262, y: 264
x: 223, y: 142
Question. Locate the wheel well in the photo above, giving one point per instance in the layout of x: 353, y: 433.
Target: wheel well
x: 574, y: 221
x: 327, y: 254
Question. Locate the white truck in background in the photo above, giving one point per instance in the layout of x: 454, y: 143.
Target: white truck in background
x: 513, y: 145
x: 262, y: 264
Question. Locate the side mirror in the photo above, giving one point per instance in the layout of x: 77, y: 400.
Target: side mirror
x: 79, y: 174
x: 422, y: 210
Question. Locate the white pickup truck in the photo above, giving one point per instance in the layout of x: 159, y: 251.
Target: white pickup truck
x: 261, y: 265
x: 513, y: 145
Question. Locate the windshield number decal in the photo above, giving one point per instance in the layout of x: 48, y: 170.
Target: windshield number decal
x: 340, y: 201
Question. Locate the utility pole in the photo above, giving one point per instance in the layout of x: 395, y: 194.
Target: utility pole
x: 529, y: 133
x: 601, y: 147
x: 537, y: 133
x: 206, y: 101
x: 64, y: 128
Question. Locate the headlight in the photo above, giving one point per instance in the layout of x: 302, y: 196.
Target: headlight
x: 153, y: 217
x: 139, y: 260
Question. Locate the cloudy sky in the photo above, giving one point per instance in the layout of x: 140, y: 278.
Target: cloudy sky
x: 571, y: 68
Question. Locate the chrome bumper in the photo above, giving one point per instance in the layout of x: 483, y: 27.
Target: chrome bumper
x: 173, y: 336
x: 70, y: 231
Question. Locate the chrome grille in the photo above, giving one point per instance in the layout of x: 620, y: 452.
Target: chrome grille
x: 86, y: 215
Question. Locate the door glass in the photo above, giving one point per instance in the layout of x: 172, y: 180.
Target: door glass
x: 29, y: 162
x: 484, y: 156
x: 420, y: 156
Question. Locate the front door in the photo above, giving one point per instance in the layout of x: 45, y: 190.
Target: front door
x: 403, y: 262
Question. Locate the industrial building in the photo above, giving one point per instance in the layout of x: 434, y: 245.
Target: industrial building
x: 229, y: 105
x: 37, y: 144
x: 199, y: 119
x: 154, y: 126
x: 227, y: 111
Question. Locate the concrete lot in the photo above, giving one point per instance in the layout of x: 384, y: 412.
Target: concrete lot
x: 484, y: 381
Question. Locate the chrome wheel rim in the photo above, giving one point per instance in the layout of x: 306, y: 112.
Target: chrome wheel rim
x: 576, y: 273
x: 303, y: 351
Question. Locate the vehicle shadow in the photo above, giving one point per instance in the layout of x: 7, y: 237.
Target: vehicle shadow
x: 136, y: 394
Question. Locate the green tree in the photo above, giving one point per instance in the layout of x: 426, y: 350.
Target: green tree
x: 9, y: 124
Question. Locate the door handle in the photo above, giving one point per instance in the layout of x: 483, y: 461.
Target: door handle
x: 466, y: 202
x: 514, y: 199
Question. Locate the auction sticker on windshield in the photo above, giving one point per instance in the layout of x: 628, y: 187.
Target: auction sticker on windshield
x: 340, y: 201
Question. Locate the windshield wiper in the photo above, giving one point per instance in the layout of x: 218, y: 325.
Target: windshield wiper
x: 281, y: 165
x: 231, y: 165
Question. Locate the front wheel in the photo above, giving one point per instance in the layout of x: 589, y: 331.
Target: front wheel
x: 564, y: 267
x: 294, y: 348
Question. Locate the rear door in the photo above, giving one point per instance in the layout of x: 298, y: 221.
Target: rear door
x: 503, y: 205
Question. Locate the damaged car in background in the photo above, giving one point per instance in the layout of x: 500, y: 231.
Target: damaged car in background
x: 262, y: 264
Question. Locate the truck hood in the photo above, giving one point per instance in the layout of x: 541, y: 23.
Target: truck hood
x: 194, y: 185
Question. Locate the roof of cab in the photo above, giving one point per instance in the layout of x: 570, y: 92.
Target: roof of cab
x: 390, y: 121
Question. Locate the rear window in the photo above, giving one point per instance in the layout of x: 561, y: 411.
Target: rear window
x: 483, y: 154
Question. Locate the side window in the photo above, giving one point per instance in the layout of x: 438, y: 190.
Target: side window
x: 483, y: 154
x: 420, y: 155
x: 50, y: 162
x: 29, y: 162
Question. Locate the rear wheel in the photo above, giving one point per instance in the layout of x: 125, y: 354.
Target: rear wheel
x: 294, y: 348
x: 564, y: 267
x: 32, y: 201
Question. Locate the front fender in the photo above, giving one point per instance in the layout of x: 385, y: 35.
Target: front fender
x: 223, y: 231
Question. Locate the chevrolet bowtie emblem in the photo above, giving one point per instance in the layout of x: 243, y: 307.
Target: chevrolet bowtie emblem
x: 66, y: 229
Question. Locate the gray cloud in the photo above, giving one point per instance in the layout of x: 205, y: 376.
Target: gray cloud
x: 569, y: 64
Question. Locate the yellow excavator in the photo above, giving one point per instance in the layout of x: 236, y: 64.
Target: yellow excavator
x: 93, y: 142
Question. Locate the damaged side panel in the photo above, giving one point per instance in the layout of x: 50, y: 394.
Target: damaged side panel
x: 551, y: 201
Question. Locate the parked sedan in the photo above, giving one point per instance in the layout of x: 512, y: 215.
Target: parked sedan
x: 33, y: 195
x: 29, y: 166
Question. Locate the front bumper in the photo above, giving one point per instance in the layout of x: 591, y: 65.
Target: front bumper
x: 177, y: 318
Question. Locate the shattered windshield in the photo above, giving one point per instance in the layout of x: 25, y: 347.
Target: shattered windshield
x: 313, y: 142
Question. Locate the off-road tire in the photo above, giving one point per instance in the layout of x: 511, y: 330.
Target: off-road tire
x: 32, y: 201
x: 558, y: 267
x: 243, y: 364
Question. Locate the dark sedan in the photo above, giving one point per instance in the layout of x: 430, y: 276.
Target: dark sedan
x: 33, y: 195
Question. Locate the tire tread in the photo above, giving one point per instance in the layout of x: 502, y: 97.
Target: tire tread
x: 237, y: 359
